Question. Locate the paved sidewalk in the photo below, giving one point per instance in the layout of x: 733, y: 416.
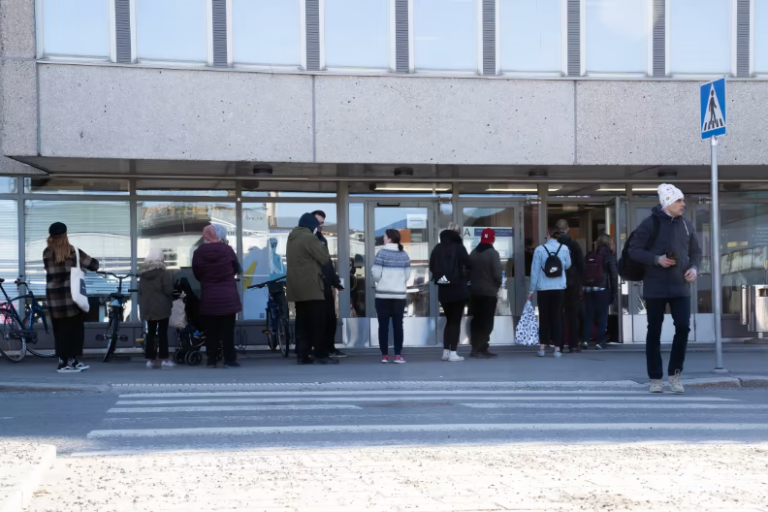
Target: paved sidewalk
x: 23, y: 466
x: 679, y: 478
x: 513, y: 365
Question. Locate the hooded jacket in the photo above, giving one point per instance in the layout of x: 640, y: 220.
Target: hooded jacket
x: 485, y: 277
x: 575, y: 273
x: 155, y: 292
x: 306, y: 256
x: 330, y: 277
x: 451, y: 241
x: 215, y: 266
x: 676, y: 235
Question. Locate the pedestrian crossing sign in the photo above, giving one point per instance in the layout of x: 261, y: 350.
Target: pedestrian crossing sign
x: 713, y: 119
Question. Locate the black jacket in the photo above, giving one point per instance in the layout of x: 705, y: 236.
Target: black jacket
x: 575, y: 273
x: 676, y: 235
x: 451, y: 241
x: 330, y: 277
x: 485, y: 277
x: 610, y: 271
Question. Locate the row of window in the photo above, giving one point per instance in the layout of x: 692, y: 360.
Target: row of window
x: 446, y: 34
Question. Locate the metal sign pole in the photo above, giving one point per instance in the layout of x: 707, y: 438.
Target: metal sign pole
x: 717, y: 301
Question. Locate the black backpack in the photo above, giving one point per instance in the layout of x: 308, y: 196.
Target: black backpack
x: 447, y: 270
x: 553, y: 267
x: 629, y: 269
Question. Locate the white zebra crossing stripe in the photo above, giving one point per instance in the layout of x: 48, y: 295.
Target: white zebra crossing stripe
x: 374, y: 393
x: 566, y: 405
x: 230, y: 408
x: 466, y: 427
x: 645, y: 398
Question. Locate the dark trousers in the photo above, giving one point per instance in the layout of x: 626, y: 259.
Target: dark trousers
x: 310, y: 326
x: 453, y: 313
x: 551, y: 317
x: 483, y: 314
x: 328, y: 345
x: 681, y: 316
x: 571, y: 306
x: 393, y: 309
x: 157, y: 330
x: 220, y: 337
x: 69, y: 336
x: 597, y: 304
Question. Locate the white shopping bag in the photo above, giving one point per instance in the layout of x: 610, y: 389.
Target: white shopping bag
x: 178, y: 315
x: 528, y: 329
x: 77, y: 284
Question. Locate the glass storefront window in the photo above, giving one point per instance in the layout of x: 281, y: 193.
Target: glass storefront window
x: 357, y: 33
x: 75, y: 28
x: 182, y: 188
x: 8, y: 185
x: 531, y: 35
x: 445, y: 34
x: 691, y: 53
x: 266, y: 32
x: 357, y: 261
x: 760, y: 29
x: 502, y: 220
x: 75, y: 186
x: 704, y: 281
x: 100, y: 228
x: 9, y: 241
x: 617, y: 36
x: 172, y: 30
x: 266, y: 227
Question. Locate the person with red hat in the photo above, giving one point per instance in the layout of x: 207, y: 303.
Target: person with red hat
x: 485, y: 282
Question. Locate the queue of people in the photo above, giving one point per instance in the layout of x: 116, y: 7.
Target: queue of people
x: 664, y: 248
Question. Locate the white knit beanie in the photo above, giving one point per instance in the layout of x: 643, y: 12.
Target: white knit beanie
x: 669, y: 194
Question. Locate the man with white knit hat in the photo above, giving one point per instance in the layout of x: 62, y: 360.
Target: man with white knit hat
x: 666, y: 245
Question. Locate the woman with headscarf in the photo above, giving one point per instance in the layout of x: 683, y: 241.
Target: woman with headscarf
x: 215, y: 265
x: 66, y: 316
x: 155, y: 304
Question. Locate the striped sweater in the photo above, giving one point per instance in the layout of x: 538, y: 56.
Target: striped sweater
x: 391, y: 271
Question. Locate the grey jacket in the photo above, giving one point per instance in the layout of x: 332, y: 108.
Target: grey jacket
x: 485, y: 276
x: 676, y: 235
x: 155, y: 293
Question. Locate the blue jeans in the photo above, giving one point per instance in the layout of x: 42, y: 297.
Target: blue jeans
x: 681, y: 316
x: 596, y: 304
x: 387, y: 309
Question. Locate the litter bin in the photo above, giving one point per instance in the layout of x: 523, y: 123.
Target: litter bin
x: 754, y: 308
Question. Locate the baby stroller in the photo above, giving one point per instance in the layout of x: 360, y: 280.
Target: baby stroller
x: 190, y: 339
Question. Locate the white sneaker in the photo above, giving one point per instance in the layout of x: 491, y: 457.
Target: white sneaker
x: 65, y: 368
x: 454, y: 357
x: 541, y: 353
x: 558, y: 353
x: 150, y: 365
x: 165, y: 365
x: 656, y: 386
x: 446, y: 355
x: 674, y: 383
x: 74, y: 363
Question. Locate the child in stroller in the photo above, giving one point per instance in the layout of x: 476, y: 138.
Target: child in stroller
x: 191, y: 338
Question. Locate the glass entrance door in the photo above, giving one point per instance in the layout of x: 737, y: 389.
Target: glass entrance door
x: 418, y: 233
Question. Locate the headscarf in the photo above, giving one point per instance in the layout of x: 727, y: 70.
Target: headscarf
x: 210, y: 236
x: 155, y: 259
x: 221, y: 232
x: 669, y: 194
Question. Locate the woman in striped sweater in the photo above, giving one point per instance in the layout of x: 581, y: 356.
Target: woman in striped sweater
x: 391, y: 271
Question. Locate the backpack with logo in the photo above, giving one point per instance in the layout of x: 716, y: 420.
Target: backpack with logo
x: 593, y: 269
x: 447, y: 269
x: 553, y: 267
x: 632, y: 270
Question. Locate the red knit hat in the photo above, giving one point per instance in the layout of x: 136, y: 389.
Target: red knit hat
x: 488, y: 236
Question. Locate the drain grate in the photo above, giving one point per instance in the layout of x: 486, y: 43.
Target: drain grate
x: 405, y: 404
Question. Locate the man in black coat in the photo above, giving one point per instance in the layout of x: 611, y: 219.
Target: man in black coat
x: 574, y: 281
x: 671, y: 264
x: 330, y: 280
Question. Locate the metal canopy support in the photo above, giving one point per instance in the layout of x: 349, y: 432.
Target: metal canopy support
x: 717, y: 301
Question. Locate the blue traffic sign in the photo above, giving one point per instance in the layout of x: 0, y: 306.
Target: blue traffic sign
x: 713, y: 119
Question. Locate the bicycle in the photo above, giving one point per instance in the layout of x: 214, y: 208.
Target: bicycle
x: 116, y: 312
x: 278, y: 328
x: 19, y: 334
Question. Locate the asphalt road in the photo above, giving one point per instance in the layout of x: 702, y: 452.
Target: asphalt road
x: 81, y: 423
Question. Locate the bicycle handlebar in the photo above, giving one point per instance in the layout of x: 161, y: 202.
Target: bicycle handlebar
x: 121, y: 278
x: 262, y: 285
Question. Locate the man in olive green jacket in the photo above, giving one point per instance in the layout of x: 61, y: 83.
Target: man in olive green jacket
x: 306, y: 256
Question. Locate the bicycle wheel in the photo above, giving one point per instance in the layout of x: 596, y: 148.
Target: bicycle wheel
x: 283, y: 336
x: 13, y: 343
x: 272, y: 341
x: 46, y: 352
x: 112, y: 329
